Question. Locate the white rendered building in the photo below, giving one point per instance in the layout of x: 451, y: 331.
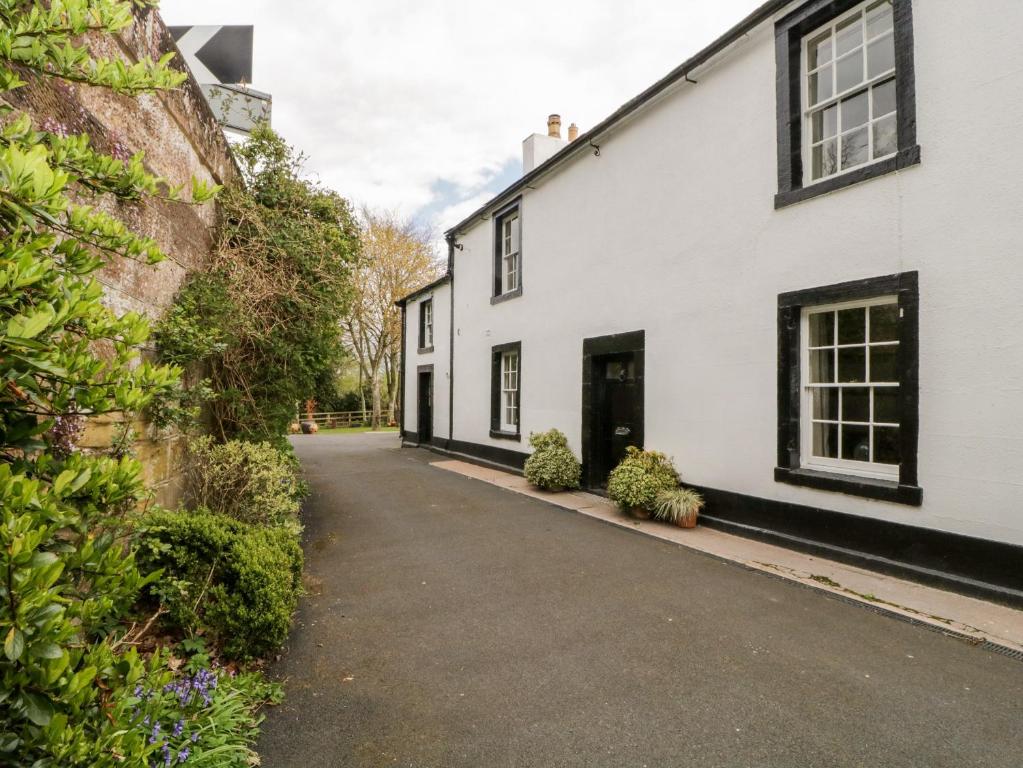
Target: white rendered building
x: 793, y: 264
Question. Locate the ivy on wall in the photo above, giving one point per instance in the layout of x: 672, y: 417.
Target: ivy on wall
x: 262, y: 321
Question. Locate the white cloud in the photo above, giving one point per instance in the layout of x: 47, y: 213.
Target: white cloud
x: 393, y: 101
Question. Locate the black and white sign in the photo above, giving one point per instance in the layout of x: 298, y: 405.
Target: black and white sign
x: 216, y: 54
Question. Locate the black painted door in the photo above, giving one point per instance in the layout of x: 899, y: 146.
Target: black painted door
x: 615, y: 413
x: 425, y: 406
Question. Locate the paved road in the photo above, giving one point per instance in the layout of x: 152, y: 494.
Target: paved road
x: 451, y: 624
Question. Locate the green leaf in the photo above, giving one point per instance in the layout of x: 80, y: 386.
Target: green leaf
x: 38, y: 708
x: 14, y: 644
x: 47, y: 651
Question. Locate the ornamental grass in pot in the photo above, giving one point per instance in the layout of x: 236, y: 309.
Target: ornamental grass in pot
x: 636, y: 482
x: 678, y: 506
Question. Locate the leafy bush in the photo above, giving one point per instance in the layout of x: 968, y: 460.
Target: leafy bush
x: 262, y: 319
x: 640, y: 476
x: 552, y: 463
x: 237, y: 581
x: 678, y: 505
x: 69, y: 573
x: 251, y: 482
x: 207, y: 717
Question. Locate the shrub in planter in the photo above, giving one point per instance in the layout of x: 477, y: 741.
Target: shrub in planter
x: 635, y: 483
x: 237, y: 581
x: 251, y: 482
x: 679, y: 506
x: 552, y: 464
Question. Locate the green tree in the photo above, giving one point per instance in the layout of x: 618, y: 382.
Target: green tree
x: 263, y: 320
x: 67, y: 570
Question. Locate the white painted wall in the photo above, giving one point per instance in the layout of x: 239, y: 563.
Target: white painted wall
x: 538, y: 148
x: 440, y: 359
x: 672, y: 230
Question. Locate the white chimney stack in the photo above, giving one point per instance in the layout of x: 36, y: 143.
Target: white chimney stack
x: 538, y: 148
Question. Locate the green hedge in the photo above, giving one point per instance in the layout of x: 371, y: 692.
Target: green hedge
x: 238, y: 581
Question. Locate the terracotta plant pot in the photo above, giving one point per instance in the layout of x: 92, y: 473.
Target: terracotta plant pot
x: 687, y: 521
x: 639, y: 513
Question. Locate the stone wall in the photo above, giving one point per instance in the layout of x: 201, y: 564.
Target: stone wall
x: 181, y: 139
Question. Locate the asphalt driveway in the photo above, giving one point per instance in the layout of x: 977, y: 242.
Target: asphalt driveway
x: 451, y: 624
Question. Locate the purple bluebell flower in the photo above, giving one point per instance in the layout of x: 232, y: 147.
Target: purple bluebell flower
x: 183, y: 755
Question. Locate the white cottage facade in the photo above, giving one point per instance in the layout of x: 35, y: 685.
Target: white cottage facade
x: 793, y: 265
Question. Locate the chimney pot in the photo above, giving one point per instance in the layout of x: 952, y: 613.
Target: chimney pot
x: 554, y: 126
x: 573, y: 132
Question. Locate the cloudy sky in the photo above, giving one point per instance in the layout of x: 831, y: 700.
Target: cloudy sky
x: 421, y: 107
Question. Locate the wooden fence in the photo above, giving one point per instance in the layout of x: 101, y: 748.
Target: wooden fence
x: 335, y: 419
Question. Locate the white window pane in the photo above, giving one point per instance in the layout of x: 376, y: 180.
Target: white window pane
x: 849, y: 71
x: 855, y: 111
x: 822, y: 366
x: 856, y: 404
x: 825, y: 123
x: 854, y: 148
x: 825, y: 440
x: 886, y: 404
x: 886, y: 445
x: 855, y: 442
x: 825, y: 403
x: 849, y: 34
x: 883, y: 95
x: 819, y: 50
x: 884, y: 363
x: 820, y: 86
x: 852, y: 364
x: 825, y: 159
x: 884, y: 322
x: 822, y: 329
x: 515, y: 234
x: 886, y: 136
x: 852, y: 325
x: 879, y: 18
x: 881, y: 56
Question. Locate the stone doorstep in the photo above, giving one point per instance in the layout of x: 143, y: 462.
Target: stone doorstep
x: 974, y: 619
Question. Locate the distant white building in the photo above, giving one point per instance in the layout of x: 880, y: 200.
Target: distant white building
x: 794, y: 265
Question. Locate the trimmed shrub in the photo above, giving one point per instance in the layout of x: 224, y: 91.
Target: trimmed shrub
x: 640, y: 477
x: 251, y: 482
x: 552, y: 463
x: 238, y: 581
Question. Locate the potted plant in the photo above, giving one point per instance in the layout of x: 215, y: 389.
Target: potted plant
x: 635, y: 483
x: 552, y: 465
x: 679, y: 506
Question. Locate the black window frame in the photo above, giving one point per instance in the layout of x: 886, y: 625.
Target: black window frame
x: 514, y: 207
x: 422, y: 346
x: 495, y: 391
x: 789, y: 469
x: 789, y: 34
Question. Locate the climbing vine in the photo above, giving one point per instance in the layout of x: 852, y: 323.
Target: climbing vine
x: 262, y: 321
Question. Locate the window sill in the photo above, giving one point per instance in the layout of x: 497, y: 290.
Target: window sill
x: 501, y: 435
x: 904, y: 159
x: 425, y: 350
x: 505, y: 296
x: 867, y: 487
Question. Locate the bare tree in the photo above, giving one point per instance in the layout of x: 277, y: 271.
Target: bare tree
x: 397, y: 258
